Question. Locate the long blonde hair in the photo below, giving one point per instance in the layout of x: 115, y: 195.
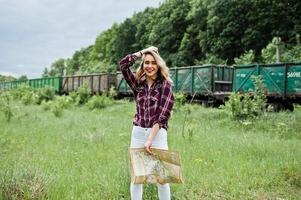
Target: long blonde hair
x: 163, y: 70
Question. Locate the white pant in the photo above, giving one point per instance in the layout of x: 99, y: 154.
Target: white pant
x: 139, y: 137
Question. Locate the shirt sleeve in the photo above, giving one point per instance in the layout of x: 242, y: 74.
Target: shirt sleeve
x: 166, y: 104
x: 125, y: 64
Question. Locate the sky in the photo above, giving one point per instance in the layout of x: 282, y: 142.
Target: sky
x: 35, y: 33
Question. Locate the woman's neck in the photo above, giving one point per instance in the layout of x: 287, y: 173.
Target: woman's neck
x: 150, y: 81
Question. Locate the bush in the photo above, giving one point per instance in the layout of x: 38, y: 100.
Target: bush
x: 247, y: 58
x: 46, y: 94
x: 28, y: 98
x: 64, y: 101
x: 46, y: 105
x: 248, y: 105
x: 98, y: 102
x: 21, y: 91
x: 5, y: 106
x: 73, y: 96
x: 83, y: 94
x: 112, y: 93
x: 56, y: 109
x: 180, y: 99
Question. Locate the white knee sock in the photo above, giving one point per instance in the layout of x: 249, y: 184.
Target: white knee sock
x: 164, y: 191
x: 136, y: 191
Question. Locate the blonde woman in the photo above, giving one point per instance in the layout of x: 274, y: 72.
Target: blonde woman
x: 154, y: 101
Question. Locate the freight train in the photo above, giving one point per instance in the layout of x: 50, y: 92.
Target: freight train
x: 209, y: 84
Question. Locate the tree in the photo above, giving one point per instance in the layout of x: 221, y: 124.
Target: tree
x: 23, y: 78
x: 124, y: 40
x: 45, y: 72
x: 4, y: 78
x: 57, y: 68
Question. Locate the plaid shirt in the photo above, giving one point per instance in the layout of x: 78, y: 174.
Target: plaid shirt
x: 153, y: 105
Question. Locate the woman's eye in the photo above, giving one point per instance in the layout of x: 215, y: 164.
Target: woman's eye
x: 148, y: 62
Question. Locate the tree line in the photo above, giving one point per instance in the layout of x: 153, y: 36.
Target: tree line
x: 190, y: 32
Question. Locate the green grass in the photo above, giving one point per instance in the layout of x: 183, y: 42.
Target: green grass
x: 83, y: 154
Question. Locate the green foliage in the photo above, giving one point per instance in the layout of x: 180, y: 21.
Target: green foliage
x: 259, y: 94
x: 269, y: 55
x: 46, y: 105
x: 248, y: 105
x: 23, y: 78
x: 45, y: 94
x: 83, y: 94
x: 211, y: 59
x: 180, y: 100
x: 28, y: 97
x: 168, y: 26
x: 112, y: 93
x: 73, y: 96
x: 56, y: 108
x: 246, y: 58
x: 98, y: 102
x: 19, y: 92
x: 64, y: 101
x: 292, y: 54
x: 5, y: 105
x: 58, y: 105
x: 24, y: 93
x: 4, y: 78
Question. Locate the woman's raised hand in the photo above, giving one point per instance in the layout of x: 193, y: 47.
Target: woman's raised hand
x: 150, y: 49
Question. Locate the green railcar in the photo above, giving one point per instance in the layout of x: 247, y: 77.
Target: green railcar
x: 12, y: 84
x: 282, y: 81
x: 121, y: 85
x: 54, y: 82
x: 206, y: 81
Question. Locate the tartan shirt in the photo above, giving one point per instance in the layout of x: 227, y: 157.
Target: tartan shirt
x: 152, y: 105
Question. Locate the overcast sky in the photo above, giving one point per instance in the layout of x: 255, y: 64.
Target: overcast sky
x: 34, y: 33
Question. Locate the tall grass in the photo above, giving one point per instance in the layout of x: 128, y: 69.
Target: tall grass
x: 83, y: 154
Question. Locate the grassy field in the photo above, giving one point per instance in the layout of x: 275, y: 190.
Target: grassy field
x: 83, y: 154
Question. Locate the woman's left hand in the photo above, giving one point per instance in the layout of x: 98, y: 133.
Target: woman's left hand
x: 147, y: 146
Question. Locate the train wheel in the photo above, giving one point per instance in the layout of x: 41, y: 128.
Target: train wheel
x: 289, y: 106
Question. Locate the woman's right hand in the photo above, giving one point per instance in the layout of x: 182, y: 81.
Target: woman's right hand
x: 150, y: 49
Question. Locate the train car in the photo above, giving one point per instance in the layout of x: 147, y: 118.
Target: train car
x: 97, y: 83
x: 13, y: 84
x: 210, y: 84
x: 282, y: 81
x: 54, y: 82
x: 123, y: 89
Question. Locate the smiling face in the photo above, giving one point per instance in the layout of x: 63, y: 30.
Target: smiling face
x: 150, y: 66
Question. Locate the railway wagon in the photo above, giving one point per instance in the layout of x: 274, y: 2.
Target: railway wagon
x: 55, y: 82
x: 97, y: 83
x: 282, y: 82
x: 123, y: 89
x: 13, y: 84
x: 210, y: 84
